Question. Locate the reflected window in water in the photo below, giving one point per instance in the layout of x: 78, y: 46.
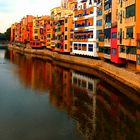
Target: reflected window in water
x: 90, y: 86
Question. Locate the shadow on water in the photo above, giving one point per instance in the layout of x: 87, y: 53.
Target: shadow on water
x: 101, y: 111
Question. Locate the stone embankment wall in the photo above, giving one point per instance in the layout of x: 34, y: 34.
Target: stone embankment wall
x: 129, y: 78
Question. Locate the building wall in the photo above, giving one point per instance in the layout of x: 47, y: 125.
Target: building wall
x: 84, y: 42
x: 138, y: 33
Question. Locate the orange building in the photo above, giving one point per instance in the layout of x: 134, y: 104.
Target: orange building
x: 128, y: 32
x: 48, y: 34
x: 12, y: 38
x: 39, y: 32
x: 26, y: 28
x: 69, y: 26
x: 100, y: 28
x: 18, y: 38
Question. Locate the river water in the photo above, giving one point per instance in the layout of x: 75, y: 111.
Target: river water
x: 39, y: 100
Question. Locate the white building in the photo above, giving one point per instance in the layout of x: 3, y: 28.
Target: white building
x: 84, y: 42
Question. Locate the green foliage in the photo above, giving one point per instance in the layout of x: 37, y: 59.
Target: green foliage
x: 2, y: 36
x: 5, y: 36
x: 8, y: 34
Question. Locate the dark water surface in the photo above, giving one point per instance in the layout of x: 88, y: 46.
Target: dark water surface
x: 40, y: 100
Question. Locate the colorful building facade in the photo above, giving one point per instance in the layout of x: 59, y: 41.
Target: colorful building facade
x: 108, y: 29
x: 84, y: 42
x: 128, y: 32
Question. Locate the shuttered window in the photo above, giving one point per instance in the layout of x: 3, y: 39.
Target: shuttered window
x: 130, y: 11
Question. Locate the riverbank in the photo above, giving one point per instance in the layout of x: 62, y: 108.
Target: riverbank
x: 122, y: 75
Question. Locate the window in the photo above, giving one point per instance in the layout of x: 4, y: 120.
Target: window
x: 37, y: 44
x: 75, y: 46
x: 79, y: 82
x: 114, y: 35
x: 107, y: 5
x: 130, y: 11
x: 65, y: 37
x: 122, y: 49
x: 79, y: 46
x: 113, y: 51
x: 66, y: 20
x: 65, y: 46
x: 84, y: 47
x: 90, y: 86
x: 121, y: 3
x: 138, y: 44
x: 90, y: 1
x: 99, y: 22
x: 36, y: 37
x: 35, y: 31
x: 101, y: 49
x: 84, y: 84
x: 101, y: 38
x: 107, y: 50
x: 138, y: 59
x: 129, y: 32
x: 75, y: 80
x: 99, y: 12
x: 90, y: 48
x: 130, y: 50
x: 66, y: 28
x: 48, y: 35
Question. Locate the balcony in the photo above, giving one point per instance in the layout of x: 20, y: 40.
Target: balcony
x: 122, y: 55
x: 101, y: 54
x: 130, y: 21
x: 80, y: 40
x: 131, y: 57
x: 83, y: 14
x: 84, y: 26
x: 107, y: 56
x: 107, y: 42
x: 126, y: 56
x: 107, y: 25
x: 99, y: 4
x: 129, y: 2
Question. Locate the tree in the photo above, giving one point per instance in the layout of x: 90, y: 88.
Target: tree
x: 8, y: 34
x: 2, y: 37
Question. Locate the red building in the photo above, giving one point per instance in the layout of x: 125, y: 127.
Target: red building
x: 114, y: 47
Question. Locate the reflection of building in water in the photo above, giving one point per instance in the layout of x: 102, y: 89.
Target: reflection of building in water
x: 2, y: 55
x: 60, y: 94
x: 84, y: 109
x: 100, y: 110
x: 118, y: 114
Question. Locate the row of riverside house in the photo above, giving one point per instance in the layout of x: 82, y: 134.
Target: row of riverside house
x: 108, y: 29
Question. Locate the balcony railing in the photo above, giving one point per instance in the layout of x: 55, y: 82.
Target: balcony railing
x: 83, y: 25
x: 108, y: 25
x: 107, y: 42
x: 83, y: 13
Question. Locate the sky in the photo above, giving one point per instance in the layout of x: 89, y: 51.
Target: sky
x: 12, y: 11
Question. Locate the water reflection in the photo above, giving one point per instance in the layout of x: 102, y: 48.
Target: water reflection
x: 101, y: 111
x: 2, y: 55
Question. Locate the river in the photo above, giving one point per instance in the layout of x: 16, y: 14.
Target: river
x: 40, y: 100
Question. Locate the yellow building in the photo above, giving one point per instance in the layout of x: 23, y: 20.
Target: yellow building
x: 61, y: 27
x: 54, y: 12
